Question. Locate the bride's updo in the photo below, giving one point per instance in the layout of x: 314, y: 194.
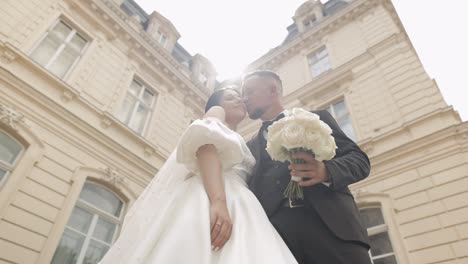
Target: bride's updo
x: 217, y: 96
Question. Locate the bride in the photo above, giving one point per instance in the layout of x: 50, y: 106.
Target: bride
x: 198, y: 208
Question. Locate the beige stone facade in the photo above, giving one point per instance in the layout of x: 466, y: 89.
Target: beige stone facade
x: 64, y: 110
x: 67, y: 129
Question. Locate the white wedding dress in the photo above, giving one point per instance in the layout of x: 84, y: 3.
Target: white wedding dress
x: 170, y: 221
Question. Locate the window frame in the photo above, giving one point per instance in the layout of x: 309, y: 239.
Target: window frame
x: 379, y: 229
x: 10, y: 167
x: 331, y: 105
x: 97, y: 214
x: 203, y: 78
x: 74, y: 30
x: 315, y: 54
x: 139, y: 101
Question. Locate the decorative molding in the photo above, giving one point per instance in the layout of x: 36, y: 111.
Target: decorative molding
x: 68, y: 93
x: 362, y: 196
x: 10, y: 116
x: 88, y: 129
x: 148, y: 49
x: 67, y: 96
x: 7, y: 56
x: 311, y: 90
x: 113, y: 176
x: 106, y: 122
x: 149, y: 151
x: 368, y: 147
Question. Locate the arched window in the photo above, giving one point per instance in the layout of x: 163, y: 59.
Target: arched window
x: 381, y: 250
x: 10, y: 151
x: 92, y: 227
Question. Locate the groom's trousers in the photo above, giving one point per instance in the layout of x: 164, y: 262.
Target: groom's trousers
x: 311, y: 242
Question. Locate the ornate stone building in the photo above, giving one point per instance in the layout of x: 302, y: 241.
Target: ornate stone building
x: 95, y: 93
x: 355, y: 59
x: 93, y: 97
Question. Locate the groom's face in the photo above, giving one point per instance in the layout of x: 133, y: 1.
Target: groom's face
x: 257, y: 93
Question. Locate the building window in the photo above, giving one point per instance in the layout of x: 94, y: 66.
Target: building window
x: 309, y: 22
x: 137, y: 106
x: 92, y: 227
x: 10, y: 151
x: 60, y: 49
x: 381, y: 251
x: 319, y: 62
x: 341, y: 114
x: 202, y: 78
x: 162, y: 39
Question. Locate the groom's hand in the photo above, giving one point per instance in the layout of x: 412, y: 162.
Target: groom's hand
x: 313, y: 171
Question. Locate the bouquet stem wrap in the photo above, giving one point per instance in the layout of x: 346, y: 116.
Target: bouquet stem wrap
x: 294, y: 190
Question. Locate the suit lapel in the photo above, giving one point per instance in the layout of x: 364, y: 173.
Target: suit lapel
x: 258, y: 153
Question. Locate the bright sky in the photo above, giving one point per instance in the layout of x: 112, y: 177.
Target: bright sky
x: 231, y: 34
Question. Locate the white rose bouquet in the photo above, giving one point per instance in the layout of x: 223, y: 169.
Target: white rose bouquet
x: 301, y: 131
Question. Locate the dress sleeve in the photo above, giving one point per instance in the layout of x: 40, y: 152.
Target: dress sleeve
x: 209, y: 131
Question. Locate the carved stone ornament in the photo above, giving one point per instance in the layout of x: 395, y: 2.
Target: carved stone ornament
x: 7, y: 56
x: 368, y: 147
x: 113, y: 176
x: 10, y: 116
x: 67, y: 96
x: 148, y: 151
x: 106, y: 122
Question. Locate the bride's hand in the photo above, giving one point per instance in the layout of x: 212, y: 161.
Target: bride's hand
x: 221, y: 224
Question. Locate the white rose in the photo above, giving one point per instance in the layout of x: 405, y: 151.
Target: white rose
x: 275, y: 149
x: 278, y: 125
x: 299, y: 112
x: 312, y: 137
x: 325, y: 128
x: 292, y: 135
x: 326, y: 150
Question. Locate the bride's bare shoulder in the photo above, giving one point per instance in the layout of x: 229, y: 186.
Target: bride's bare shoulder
x: 217, y: 112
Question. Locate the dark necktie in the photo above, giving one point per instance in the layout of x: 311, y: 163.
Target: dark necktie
x: 268, y: 123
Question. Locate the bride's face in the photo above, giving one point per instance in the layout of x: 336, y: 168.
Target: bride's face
x: 233, y: 106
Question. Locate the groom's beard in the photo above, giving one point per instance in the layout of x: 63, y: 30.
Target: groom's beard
x: 256, y: 114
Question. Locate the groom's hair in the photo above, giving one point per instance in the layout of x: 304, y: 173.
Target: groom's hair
x: 266, y: 74
x: 217, y: 95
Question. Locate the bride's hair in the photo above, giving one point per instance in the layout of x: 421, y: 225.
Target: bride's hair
x: 217, y: 95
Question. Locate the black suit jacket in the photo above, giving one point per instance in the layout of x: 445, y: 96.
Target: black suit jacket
x: 334, y: 204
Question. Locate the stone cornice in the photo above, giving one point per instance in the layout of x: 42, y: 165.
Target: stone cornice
x: 141, y: 43
x: 147, y: 148
x: 146, y: 167
x: 10, y: 117
x: 69, y: 93
x: 458, y: 133
x: 368, y: 143
x: 335, y: 78
x: 329, y: 24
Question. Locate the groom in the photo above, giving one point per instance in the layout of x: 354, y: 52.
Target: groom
x: 324, y: 228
